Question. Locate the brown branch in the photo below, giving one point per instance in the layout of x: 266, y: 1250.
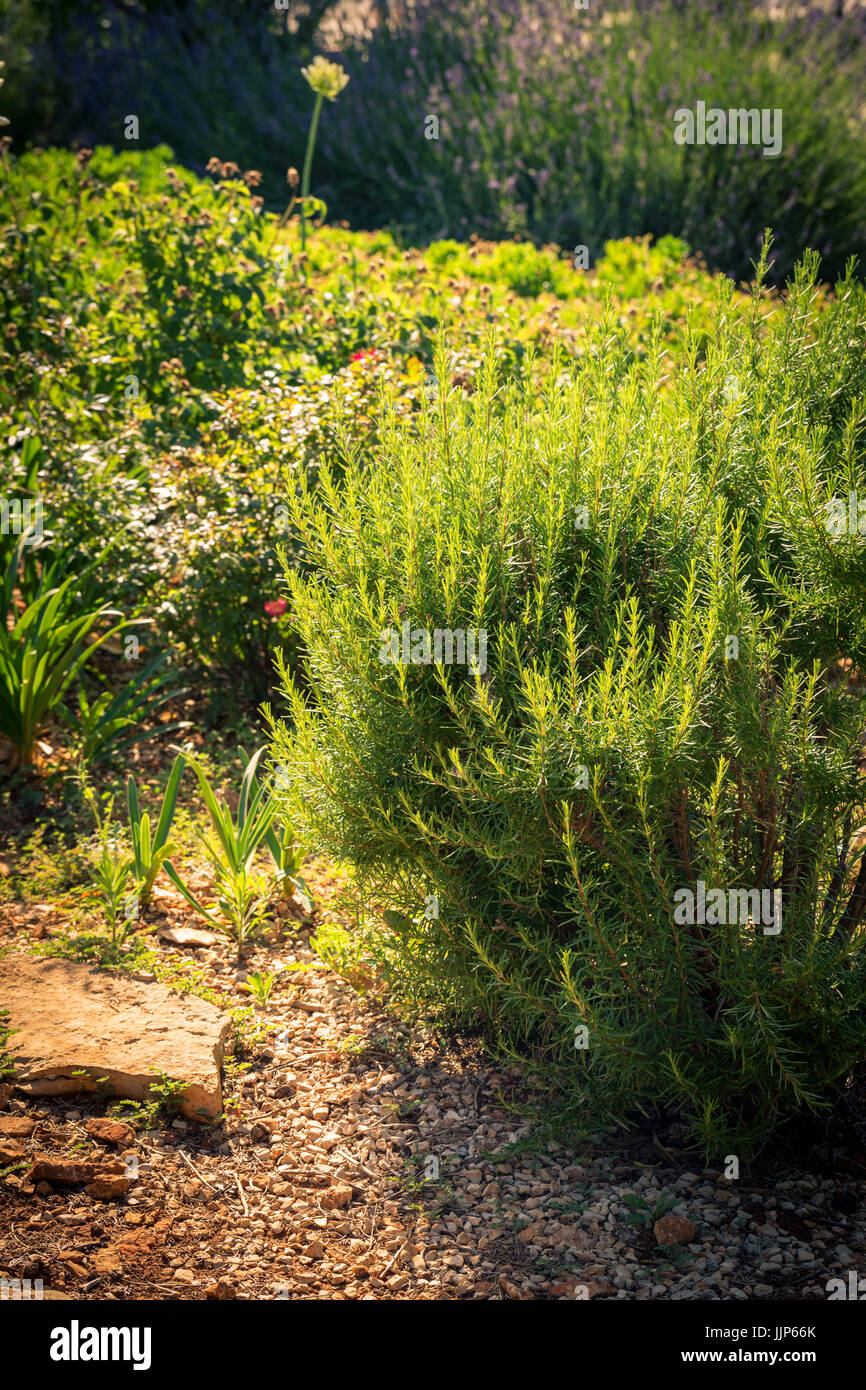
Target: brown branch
x: 856, y: 903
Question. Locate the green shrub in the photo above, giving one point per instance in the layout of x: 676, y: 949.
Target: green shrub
x: 658, y: 707
x: 206, y: 266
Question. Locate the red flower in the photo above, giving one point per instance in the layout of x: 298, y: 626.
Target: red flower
x: 274, y: 607
x: 362, y: 353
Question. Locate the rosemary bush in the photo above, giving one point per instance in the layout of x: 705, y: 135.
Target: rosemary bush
x: 663, y: 703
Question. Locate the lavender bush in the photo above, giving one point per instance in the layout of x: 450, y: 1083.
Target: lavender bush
x: 554, y: 123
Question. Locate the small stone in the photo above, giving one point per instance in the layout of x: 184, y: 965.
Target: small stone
x: 674, y: 1230
x: 220, y: 1290
x: 111, y: 1132
x: 511, y: 1290
x: 337, y: 1195
x: 599, y: 1288
x: 107, y: 1261
x: 530, y: 1233
x: 565, y: 1287
x: 107, y: 1188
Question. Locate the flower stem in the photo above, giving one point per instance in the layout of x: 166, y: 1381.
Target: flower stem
x: 308, y: 161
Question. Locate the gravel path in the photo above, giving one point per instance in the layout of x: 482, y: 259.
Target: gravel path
x: 360, y: 1161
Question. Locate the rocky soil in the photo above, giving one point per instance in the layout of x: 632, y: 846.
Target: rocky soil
x: 359, y: 1160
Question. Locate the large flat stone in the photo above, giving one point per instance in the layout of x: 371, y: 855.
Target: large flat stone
x: 73, y: 1017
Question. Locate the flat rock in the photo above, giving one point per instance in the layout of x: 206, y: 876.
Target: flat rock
x: 188, y: 936
x: 46, y: 1168
x: 118, y: 1032
x: 16, y: 1126
x: 107, y: 1262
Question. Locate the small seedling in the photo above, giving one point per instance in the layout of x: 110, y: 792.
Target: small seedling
x: 645, y: 1215
x: 260, y: 987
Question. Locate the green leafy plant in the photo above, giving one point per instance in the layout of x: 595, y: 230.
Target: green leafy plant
x: 231, y: 845
x: 150, y: 849
x: 289, y: 376
x: 42, y: 650
x: 162, y: 1105
x: 645, y: 1214
x: 507, y: 79
x: 287, y: 856
x: 7, y: 1067
x: 205, y: 272
x: 111, y: 870
x: 112, y: 722
x: 111, y: 866
x: 260, y: 985
x: 127, y: 953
